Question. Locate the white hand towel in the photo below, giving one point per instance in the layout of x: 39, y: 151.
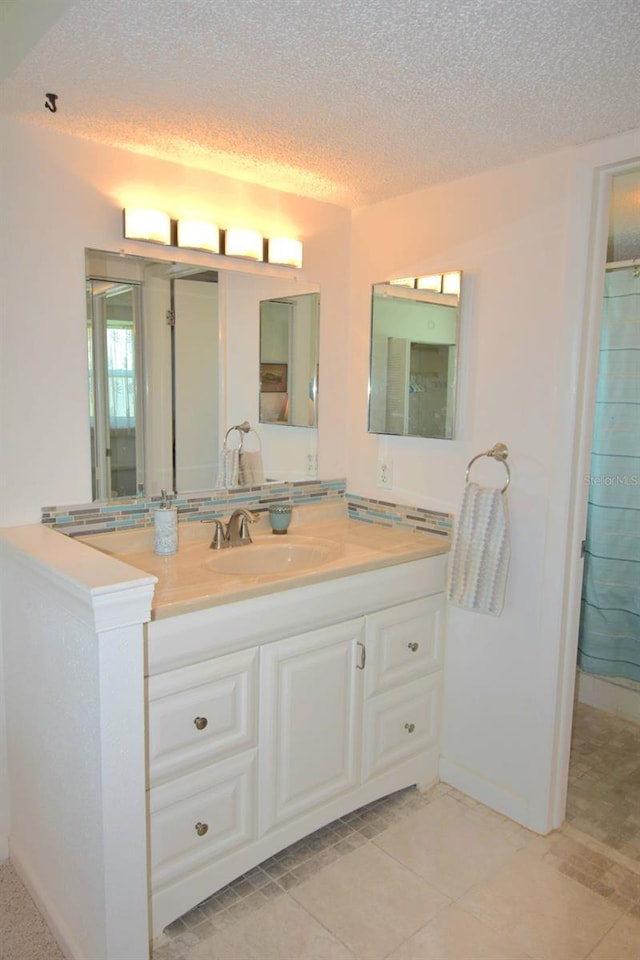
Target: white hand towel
x: 228, y: 463
x: 480, y: 557
x: 250, y: 469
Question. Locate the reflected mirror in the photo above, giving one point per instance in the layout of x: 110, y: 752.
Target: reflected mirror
x: 171, y: 350
x: 289, y: 360
x: 414, y: 354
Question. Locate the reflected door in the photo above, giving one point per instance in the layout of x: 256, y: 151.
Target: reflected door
x: 115, y: 378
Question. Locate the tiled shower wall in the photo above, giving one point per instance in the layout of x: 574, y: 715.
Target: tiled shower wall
x: 100, y: 517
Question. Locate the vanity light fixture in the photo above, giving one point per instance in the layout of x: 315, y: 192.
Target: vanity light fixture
x: 155, y: 226
x: 404, y: 282
x: 451, y: 283
x: 285, y: 251
x: 199, y: 235
x: 151, y: 225
x: 244, y: 243
x: 432, y: 282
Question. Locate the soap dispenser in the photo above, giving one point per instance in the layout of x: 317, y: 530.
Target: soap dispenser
x: 165, y: 522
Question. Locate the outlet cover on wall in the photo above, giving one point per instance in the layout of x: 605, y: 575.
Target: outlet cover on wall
x: 385, y: 473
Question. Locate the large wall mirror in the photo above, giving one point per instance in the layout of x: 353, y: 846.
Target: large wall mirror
x: 166, y: 381
x: 289, y: 360
x: 414, y: 356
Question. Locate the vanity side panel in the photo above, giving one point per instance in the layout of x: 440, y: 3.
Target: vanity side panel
x: 53, y: 736
x: 74, y: 649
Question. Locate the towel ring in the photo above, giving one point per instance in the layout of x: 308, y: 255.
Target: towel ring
x: 242, y: 429
x: 499, y: 451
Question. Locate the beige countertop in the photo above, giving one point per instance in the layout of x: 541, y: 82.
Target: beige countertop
x: 187, y: 582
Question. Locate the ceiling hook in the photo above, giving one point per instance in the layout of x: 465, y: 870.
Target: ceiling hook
x: 51, y: 101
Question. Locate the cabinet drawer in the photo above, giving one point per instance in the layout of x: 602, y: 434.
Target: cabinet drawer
x: 200, y: 816
x: 400, y: 723
x: 201, y: 713
x: 404, y: 643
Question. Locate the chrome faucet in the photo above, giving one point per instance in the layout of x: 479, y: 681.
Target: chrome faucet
x: 235, y: 533
x: 238, y: 527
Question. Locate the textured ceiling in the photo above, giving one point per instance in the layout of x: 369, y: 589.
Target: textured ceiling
x: 348, y: 101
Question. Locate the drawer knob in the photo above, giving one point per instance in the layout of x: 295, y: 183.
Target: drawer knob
x: 410, y: 727
x: 201, y: 828
x: 413, y: 646
x: 200, y: 723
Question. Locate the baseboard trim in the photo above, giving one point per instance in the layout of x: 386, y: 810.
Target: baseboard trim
x: 604, y: 693
x: 66, y: 941
x: 468, y: 781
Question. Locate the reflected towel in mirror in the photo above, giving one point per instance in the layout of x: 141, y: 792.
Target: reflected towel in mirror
x: 250, y: 469
x: 228, y: 467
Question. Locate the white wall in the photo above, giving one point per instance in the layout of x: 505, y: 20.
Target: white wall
x: 510, y: 231
x: 61, y: 195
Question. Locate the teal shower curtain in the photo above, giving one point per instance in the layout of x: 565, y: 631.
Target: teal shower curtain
x: 609, y: 640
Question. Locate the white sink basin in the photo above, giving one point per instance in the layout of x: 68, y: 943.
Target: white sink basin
x: 286, y: 554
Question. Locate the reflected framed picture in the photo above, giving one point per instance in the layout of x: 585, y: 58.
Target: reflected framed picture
x: 273, y: 377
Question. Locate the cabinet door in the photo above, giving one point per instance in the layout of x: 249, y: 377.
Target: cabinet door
x: 404, y: 643
x: 310, y: 720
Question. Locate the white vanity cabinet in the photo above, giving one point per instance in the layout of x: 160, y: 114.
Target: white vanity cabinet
x: 271, y: 717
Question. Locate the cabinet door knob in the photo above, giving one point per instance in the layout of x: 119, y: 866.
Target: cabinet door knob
x: 413, y: 646
x: 201, y: 828
x: 410, y: 727
x: 200, y: 722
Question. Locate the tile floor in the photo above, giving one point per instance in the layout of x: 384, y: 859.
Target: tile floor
x: 422, y: 876
x: 438, y: 876
x: 604, y: 779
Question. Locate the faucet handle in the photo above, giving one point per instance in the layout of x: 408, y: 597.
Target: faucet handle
x: 219, y: 540
x: 245, y: 536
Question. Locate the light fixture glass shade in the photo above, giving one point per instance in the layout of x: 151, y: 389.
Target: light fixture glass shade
x: 285, y: 251
x: 152, y: 225
x: 199, y: 235
x: 451, y: 283
x: 404, y: 282
x: 243, y: 243
x: 432, y: 282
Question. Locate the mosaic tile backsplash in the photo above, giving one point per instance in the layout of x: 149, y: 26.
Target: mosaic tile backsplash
x: 101, y: 517
x: 126, y: 514
x: 396, y: 515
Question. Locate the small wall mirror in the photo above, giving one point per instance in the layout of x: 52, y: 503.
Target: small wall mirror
x: 414, y: 355
x: 289, y: 360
